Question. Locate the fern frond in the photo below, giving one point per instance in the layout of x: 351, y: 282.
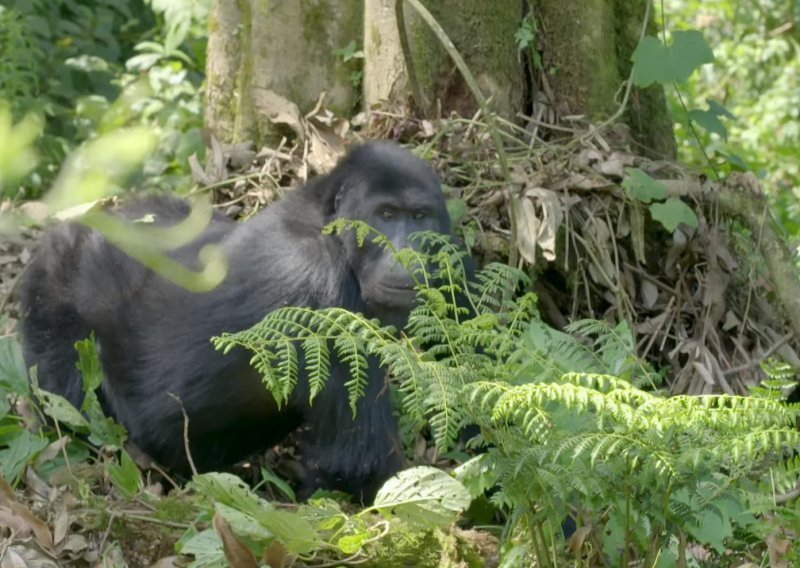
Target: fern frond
x: 491, y: 285
x: 362, y: 230
x: 317, y: 364
x: 275, y: 340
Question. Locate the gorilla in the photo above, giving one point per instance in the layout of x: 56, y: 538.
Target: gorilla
x: 154, y: 336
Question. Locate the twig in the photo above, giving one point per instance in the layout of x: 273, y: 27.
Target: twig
x: 469, y: 79
x: 783, y: 498
x: 155, y: 520
x: 185, y: 434
x: 756, y: 362
x: 111, y: 517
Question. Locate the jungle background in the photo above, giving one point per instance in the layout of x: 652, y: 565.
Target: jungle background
x: 634, y: 166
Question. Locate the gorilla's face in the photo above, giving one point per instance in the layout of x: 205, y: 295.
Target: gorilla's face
x: 396, y: 203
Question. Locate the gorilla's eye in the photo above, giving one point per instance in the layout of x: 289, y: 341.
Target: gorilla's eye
x: 418, y: 215
x: 387, y: 214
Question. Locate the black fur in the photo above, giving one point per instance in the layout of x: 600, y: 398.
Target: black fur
x: 154, y: 336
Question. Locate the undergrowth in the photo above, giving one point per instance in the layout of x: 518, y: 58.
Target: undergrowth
x: 564, y: 424
x: 566, y: 427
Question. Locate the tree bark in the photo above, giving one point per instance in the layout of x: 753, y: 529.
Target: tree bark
x: 263, y: 54
x: 482, y: 32
x: 586, y: 59
x: 261, y: 49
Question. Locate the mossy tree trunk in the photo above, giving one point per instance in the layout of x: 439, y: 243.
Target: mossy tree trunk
x: 482, y: 32
x: 258, y: 49
x: 586, y: 56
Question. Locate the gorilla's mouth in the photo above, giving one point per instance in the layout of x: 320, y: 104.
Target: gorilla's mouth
x: 396, y: 295
x: 400, y: 289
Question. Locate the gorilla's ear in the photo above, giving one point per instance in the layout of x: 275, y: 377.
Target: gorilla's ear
x: 338, y: 199
x: 347, y: 186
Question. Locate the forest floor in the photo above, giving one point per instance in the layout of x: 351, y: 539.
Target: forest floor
x: 699, y: 299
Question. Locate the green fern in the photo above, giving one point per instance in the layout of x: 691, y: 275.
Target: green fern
x: 561, y: 413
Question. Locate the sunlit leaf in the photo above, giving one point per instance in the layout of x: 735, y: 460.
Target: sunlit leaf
x: 17, y: 154
x: 672, y: 213
x: 423, y: 497
x: 654, y: 62
x: 642, y: 187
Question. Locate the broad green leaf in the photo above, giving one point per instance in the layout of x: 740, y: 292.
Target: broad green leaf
x: 423, y: 497
x: 477, y: 474
x: 89, y: 364
x: 279, y: 483
x: 13, y: 373
x: 672, y: 213
x: 642, y: 187
x: 103, y: 431
x: 19, y: 450
x: 650, y: 63
x: 125, y: 476
x: 709, y: 121
x: 719, y: 109
x: 291, y: 529
x: 230, y: 490
x: 352, y: 543
x: 206, y: 547
x: 244, y: 525
x: 654, y: 62
x: 689, y: 50
x: 323, y: 513
x: 711, y: 529
x: 59, y: 408
x: 736, y: 161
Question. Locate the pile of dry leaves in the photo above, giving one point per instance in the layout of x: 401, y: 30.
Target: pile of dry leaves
x: 710, y: 303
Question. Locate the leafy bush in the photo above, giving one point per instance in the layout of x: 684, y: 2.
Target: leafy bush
x: 563, y: 434
x: 755, y: 76
x: 416, y: 501
x: 89, y: 67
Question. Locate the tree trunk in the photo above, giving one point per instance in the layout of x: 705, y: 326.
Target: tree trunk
x: 257, y: 50
x: 588, y: 56
x: 482, y: 32
x: 261, y: 53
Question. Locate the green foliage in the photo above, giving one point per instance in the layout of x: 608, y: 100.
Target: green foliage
x: 413, y: 504
x: 414, y: 501
x: 100, y: 168
x: 655, y: 62
x: 73, y: 63
x: 709, y: 119
x: 21, y: 448
x: 670, y: 212
x: 354, y: 60
x: 18, y: 446
x: 17, y: 155
x: 526, y: 38
x: 90, y: 419
x: 423, y: 497
x: 432, y: 378
x: 755, y: 77
x: 565, y: 425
